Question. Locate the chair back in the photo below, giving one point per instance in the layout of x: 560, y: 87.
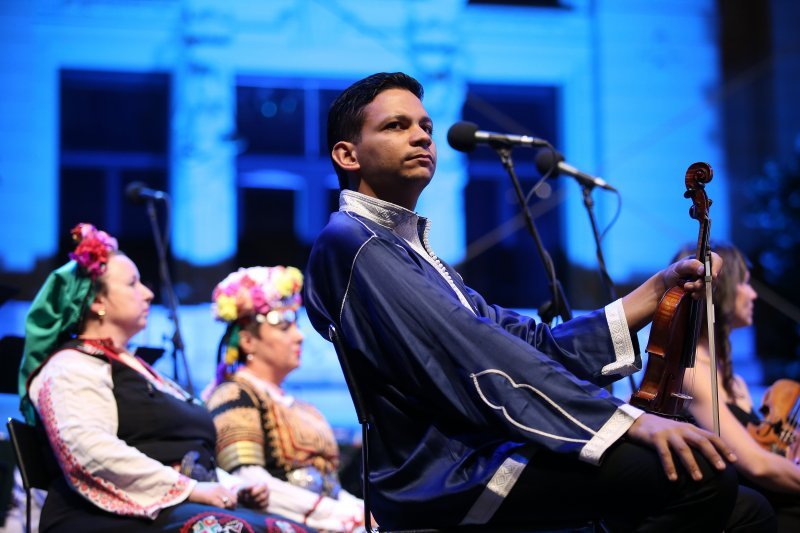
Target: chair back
x: 361, y: 413
x: 35, y: 458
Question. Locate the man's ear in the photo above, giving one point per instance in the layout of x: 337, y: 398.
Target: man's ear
x: 344, y: 154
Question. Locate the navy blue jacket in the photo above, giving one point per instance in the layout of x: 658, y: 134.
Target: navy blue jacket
x: 462, y: 393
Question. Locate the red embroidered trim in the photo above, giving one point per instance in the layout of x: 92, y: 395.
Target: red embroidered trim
x: 112, y: 352
x: 97, y: 490
x: 313, y: 508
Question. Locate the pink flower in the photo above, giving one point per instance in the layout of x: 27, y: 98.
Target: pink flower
x: 93, y: 249
x: 257, y: 290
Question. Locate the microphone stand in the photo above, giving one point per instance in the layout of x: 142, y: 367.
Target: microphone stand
x: 169, y: 296
x: 558, y: 306
x: 588, y: 202
x: 611, y: 291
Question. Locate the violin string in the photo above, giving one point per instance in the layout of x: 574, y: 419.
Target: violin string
x: 792, y: 419
x: 787, y: 425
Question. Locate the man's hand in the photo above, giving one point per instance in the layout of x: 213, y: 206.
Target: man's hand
x: 669, y: 436
x: 642, y: 302
x: 692, y: 270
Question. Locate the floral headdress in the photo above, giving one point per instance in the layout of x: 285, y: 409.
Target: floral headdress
x: 256, y: 293
x: 92, y: 250
x: 56, y: 311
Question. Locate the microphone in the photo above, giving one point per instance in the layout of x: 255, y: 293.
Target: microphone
x: 547, y: 160
x: 463, y: 136
x: 137, y: 192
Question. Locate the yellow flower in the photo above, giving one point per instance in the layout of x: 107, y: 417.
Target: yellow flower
x: 231, y: 355
x: 289, y: 282
x: 226, y: 308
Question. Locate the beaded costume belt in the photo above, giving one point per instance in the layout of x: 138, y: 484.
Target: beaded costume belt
x: 312, y: 479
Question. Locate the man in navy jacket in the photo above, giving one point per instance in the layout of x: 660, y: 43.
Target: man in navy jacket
x: 481, y: 415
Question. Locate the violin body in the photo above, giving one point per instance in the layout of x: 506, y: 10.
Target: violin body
x: 669, y: 355
x: 778, y: 431
x: 677, y: 320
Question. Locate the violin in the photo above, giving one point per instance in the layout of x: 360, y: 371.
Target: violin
x: 778, y: 431
x: 677, y: 321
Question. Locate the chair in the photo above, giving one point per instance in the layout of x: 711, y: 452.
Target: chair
x: 364, y: 419
x: 35, y: 460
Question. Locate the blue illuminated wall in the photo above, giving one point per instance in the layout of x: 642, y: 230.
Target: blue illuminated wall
x: 635, y: 104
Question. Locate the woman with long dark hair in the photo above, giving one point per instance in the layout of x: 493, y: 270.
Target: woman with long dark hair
x: 775, y: 476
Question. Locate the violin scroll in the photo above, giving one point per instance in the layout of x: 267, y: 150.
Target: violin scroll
x: 697, y: 175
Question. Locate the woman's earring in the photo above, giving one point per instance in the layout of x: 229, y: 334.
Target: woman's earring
x: 101, y: 313
x: 249, y: 357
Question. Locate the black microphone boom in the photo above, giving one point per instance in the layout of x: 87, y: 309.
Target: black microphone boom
x: 463, y: 136
x: 553, y: 161
x: 137, y: 192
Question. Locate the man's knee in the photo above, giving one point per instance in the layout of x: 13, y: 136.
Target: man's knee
x: 717, y: 490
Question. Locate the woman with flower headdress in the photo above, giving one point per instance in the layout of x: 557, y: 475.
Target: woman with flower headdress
x: 137, y: 452
x: 264, y: 434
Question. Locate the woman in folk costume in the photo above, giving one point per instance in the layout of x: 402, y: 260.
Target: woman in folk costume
x: 264, y: 434
x: 137, y: 452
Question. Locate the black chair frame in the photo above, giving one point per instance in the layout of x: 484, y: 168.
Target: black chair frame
x: 363, y: 419
x: 35, y: 460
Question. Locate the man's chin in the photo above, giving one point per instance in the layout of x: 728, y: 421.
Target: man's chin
x: 421, y: 179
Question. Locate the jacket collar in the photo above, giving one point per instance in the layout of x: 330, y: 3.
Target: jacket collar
x: 405, y: 223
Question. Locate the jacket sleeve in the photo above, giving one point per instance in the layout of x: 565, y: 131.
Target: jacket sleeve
x: 74, y: 397
x: 417, y: 335
x: 573, y: 343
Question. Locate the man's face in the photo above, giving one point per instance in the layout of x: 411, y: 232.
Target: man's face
x: 396, y: 155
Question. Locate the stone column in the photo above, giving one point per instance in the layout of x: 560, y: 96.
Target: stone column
x: 433, y: 39
x: 203, y: 162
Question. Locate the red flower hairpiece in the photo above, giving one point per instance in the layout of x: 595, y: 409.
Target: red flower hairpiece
x: 92, y: 250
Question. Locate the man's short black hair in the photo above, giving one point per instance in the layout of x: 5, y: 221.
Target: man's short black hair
x: 346, y: 114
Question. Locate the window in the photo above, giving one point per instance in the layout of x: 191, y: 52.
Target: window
x: 287, y: 186
x: 114, y: 131
x: 495, y: 228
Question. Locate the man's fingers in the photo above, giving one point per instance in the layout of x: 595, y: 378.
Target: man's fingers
x: 710, y: 452
x: 684, y: 452
x: 720, y: 446
x: 708, y: 444
x: 665, y: 454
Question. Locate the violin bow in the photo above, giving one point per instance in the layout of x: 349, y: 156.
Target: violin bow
x: 711, y: 347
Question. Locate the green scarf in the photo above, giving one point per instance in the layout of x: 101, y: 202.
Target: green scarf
x: 52, y: 320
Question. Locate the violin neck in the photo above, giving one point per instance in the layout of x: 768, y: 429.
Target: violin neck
x: 703, y: 240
